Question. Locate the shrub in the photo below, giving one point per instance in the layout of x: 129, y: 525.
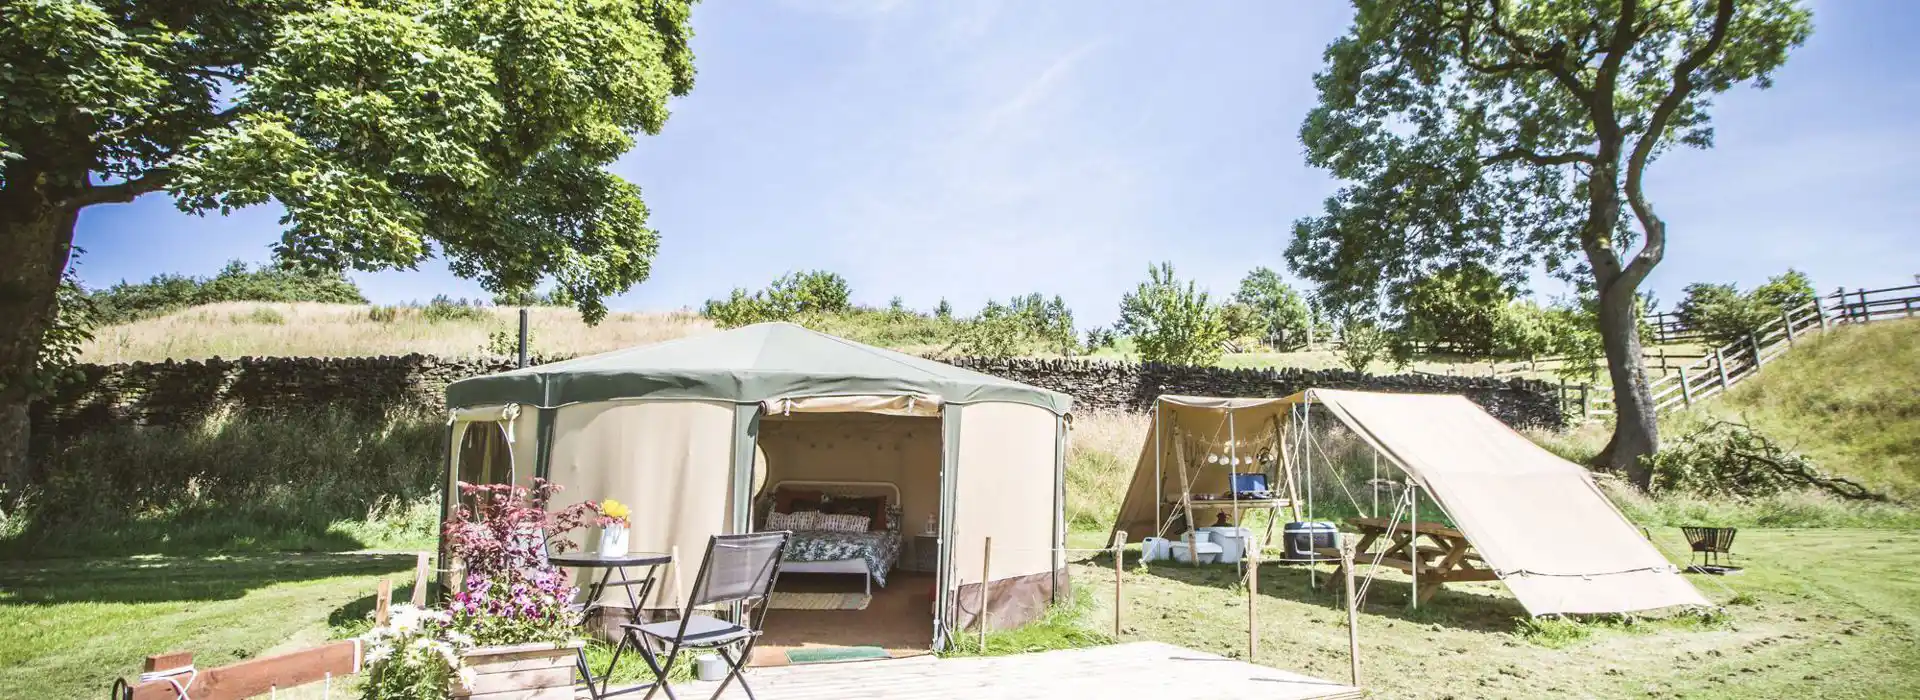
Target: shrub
x: 125, y: 302
x: 383, y: 314
x: 1724, y: 315
x: 506, y: 341
x: 790, y: 296
x: 1461, y: 308
x: 1171, y: 323
x: 263, y: 316
x: 1361, y: 344
x: 445, y: 308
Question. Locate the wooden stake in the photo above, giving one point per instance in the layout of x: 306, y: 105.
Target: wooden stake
x: 420, y: 580
x: 1253, y: 596
x: 679, y: 590
x: 1353, y: 613
x: 986, y: 568
x: 382, y: 602
x: 1119, y: 549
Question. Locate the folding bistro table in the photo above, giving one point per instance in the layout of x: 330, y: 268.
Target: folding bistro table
x: 613, y: 573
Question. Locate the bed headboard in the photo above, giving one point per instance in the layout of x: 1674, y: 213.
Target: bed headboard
x: 841, y: 488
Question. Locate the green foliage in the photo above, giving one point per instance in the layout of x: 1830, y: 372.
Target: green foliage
x: 444, y: 309
x: 1100, y: 338
x: 125, y: 302
x: 790, y: 296
x: 1242, y: 325
x: 75, y: 316
x: 1172, y: 323
x: 506, y: 341
x: 1020, y: 326
x: 1281, y: 313
x: 1362, y: 343
x: 1724, y: 460
x: 943, y: 310
x: 388, y: 131
x: 330, y: 480
x: 552, y: 297
x: 1459, y: 308
x: 1725, y: 315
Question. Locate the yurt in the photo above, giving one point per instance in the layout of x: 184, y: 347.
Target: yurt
x: 721, y: 433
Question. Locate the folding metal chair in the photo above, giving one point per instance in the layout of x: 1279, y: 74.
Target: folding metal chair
x: 737, y: 570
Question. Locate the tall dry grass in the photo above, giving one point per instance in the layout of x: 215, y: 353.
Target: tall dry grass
x: 237, y: 329
x: 1101, y: 455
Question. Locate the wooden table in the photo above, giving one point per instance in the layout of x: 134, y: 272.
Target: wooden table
x: 1445, y: 557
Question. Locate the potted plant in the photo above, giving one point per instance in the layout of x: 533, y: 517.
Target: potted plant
x: 510, y: 630
x: 614, y: 522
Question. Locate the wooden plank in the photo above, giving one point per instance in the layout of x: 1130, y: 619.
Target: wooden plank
x: 554, y: 677
x: 1427, y: 528
x: 262, y: 676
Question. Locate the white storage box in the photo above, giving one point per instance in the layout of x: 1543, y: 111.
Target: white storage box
x: 1177, y: 550
x: 1233, y: 542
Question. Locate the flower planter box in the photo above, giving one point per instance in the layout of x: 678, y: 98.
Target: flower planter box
x: 538, y: 671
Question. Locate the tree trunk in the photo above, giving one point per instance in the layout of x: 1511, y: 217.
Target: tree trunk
x: 37, y: 239
x: 1635, y: 432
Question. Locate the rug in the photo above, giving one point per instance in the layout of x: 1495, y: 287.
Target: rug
x: 783, y: 600
x: 824, y: 655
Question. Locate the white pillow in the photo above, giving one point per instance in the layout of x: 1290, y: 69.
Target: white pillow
x: 842, y: 522
x: 803, y: 520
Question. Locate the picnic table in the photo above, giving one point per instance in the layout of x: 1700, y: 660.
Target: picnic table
x: 1444, y: 557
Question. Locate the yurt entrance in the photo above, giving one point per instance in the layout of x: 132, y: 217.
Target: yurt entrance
x: 861, y: 491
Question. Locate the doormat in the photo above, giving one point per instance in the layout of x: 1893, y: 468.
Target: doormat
x: 819, y: 601
x: 826, y: 655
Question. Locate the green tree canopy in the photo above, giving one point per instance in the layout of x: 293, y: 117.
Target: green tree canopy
x: 1172, y: 323
x: 391, y: 131
x: 1516, y: 134
x: 1279, y: 310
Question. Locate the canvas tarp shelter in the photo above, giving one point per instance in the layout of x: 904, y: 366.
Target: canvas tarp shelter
x: 1540, y: 522
x: 673, y: 430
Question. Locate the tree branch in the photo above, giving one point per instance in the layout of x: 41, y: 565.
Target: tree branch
x: 1550, y: 60
x: 1518, y: 153
x: 123, y: 191
x: 1655, y: 246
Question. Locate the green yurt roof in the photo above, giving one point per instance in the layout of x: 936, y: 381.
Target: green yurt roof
x: 746, y: 365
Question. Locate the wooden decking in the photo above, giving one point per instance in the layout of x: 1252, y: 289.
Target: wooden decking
x: 1133, y: 671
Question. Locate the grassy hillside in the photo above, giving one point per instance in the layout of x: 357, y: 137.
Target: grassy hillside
x: 236, y: 329
x: 1849, y: 399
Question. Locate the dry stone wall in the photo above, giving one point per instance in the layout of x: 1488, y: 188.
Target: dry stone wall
x: 183, y: 393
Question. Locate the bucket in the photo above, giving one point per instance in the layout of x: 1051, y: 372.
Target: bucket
x: 1153, y: 549
x: 709, y: 668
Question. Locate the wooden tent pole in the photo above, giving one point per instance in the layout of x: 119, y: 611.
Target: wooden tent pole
x: 1253, y: 597
x: 1353, y: 613
x: 1186, y: 495
x: 420, y: 580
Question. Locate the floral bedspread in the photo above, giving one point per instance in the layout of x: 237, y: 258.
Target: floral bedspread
x: 879, y: 549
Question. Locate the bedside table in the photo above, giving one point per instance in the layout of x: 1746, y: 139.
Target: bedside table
x: 923, y: 553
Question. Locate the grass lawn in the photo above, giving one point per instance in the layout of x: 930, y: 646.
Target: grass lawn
x: 1829, y: 612
x: 68, y: 627
x: 1832, y: 613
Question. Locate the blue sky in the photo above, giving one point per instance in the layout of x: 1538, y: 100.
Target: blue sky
x: 981, y: 149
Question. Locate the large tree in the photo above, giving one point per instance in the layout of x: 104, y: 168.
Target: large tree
x: 391, y: 131
x: 1515, y: 133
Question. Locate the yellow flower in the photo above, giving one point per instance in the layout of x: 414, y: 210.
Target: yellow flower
x: 615, y: 509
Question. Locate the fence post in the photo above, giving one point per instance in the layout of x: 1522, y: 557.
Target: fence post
x: 1686, y: 392
x: 1253, y: 596
x: 420, y: 580
x: 1753, y: 341
x: 1846, y: 309
x: 1820, y: 308
x: 986, y: 567
x: 1866, y: 312
x: 1586, y: 400
x: 1786, y: 318
x: 1720, y: 361
x: 1563, y: 394
x: 1119, y: 544
x: 523, y: 337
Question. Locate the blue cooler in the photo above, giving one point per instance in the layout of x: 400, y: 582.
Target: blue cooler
x: 1300, y: 539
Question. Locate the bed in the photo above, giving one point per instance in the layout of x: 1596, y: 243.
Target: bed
x: 869, y: 554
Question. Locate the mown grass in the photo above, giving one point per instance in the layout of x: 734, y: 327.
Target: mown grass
x: 1833, y: 613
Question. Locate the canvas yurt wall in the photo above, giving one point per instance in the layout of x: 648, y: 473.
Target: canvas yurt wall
x: 1009, y: 486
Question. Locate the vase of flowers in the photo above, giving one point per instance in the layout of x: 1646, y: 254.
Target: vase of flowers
x: 614, y: 520
x: 509, y: 631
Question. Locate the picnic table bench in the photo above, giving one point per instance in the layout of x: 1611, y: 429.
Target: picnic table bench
x: 1446, y: 557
